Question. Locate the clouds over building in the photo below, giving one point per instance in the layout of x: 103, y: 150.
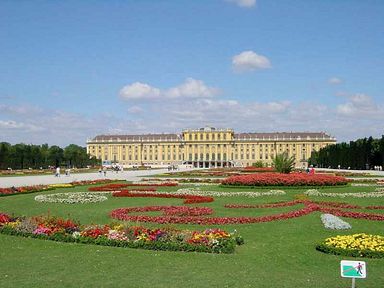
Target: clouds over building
x: 191, y: 88
x: 358, y: 105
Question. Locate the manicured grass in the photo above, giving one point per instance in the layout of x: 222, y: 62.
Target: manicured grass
x: 275, y: 254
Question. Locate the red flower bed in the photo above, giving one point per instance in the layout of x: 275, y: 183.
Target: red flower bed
x: 91, y: 182
x: 375, y: 207
x: 189, y: 199
x: 338, y: 205
x: 122, y: 214
x: 23, y: 189
x: 4, y: 218
x: 184, y: 215
x: 279, y: 179
x: 96, y: 231
x: 357, y: 215
x: 269, y: 205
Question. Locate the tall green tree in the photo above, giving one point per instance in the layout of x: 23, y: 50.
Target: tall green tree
x: 365, y: 153
x: 55, y: 156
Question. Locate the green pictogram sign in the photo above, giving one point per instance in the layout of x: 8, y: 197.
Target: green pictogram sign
x: 353, y: 269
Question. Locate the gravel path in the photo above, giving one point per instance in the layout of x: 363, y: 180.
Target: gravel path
x: 125, y: 175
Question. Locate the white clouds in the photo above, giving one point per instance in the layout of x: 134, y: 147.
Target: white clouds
x: 11, y: 124
x: 191, y: 88
x: 334, y: 81
x: 359, y: 105
x: 244, y: 3
x: 139, y: 90
x: 14, y: 125
x: 250, y: 61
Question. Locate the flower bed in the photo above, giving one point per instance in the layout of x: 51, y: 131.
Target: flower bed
x: 199, y: 192
x: 356, y: 245
x: 39, y: 188
x: 379, y: 192
x: 279, y: 179
x: 24, y: 189
x: 309, y: 207
x: 72, y: 198
x: 60, y: 185
x: 123, y: 214
x: 189, y: 199
x: 269, y: 205
x: 333, y: 222
x: 58, y: 229
x: 91, y: 182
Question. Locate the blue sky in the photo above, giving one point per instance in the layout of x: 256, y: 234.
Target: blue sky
x: 70, y: 70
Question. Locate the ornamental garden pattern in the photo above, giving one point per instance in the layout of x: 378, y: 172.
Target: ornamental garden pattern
x: 214, y: 240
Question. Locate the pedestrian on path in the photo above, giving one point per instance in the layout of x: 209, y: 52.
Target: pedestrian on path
x: 57, y: 172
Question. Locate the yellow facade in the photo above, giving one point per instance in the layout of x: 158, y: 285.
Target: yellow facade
x: 206, y: 147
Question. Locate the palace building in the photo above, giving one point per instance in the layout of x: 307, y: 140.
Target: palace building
x: 206, y: 147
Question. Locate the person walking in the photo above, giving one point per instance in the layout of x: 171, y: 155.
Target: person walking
x: 57, y: 171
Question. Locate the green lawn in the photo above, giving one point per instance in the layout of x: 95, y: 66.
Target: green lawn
x: 275, y: 254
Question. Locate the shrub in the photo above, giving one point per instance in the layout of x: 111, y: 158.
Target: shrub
x: 283, y: 163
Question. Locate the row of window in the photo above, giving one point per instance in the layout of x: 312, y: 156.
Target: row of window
x: 206, y: 136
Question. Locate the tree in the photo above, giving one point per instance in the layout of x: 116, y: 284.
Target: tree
x: 5, y: 150
x: 55, y: 155
x: 283, y: 163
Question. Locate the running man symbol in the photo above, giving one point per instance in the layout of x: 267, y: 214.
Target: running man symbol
x: 353, y: 269
x: 358, y: 269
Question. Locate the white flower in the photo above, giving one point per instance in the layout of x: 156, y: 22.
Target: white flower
x: 379, y: 192
x: 198, y: 192
x: 73, y: 197
x: 333, y: 222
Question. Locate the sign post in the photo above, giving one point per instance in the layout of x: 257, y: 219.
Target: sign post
x: 353, y: 269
